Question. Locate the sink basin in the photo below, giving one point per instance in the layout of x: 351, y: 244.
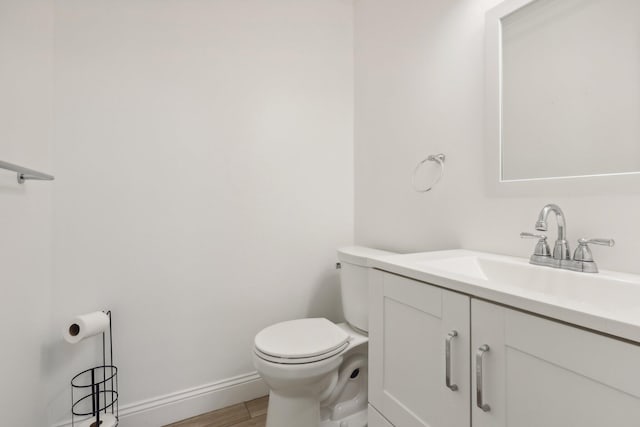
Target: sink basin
x: 608, y: 300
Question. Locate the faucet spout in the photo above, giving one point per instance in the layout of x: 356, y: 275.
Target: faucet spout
x: 541, y: 224
x: 561, y: 248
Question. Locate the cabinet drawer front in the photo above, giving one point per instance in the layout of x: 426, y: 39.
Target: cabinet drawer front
x: 543, y: 373
x: 410, y: 325
x: 422, y: 297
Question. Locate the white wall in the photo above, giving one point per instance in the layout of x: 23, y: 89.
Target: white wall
x: 25, y: 218
x: 419, y: 90
x: 203, y: 151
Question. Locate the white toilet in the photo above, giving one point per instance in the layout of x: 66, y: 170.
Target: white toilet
x: 316, y: 370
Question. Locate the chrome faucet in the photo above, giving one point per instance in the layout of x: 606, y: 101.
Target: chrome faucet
x: 561, y: 247
x: 582, y: 258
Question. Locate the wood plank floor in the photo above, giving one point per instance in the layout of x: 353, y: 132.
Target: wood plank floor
x: 248, y: 414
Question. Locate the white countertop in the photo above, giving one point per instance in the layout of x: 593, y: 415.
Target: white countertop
x: 607, y: 302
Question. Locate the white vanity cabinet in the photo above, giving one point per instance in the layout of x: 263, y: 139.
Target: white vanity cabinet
x: 538, y: 372
x: 409, y: 325
x: 533, y: 371
x: 375, y: 419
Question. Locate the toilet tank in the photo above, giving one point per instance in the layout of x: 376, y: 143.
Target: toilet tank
x: 354, y: 283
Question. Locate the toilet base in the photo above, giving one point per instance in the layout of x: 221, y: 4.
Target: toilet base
x: 292, y: 410
x: 326, y: 393
x: 359, y: 419
x: 305, y: 411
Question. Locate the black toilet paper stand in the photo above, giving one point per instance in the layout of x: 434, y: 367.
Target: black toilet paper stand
x: 94, y: 391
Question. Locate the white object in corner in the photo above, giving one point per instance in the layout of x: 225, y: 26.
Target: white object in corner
x: 317, y: 370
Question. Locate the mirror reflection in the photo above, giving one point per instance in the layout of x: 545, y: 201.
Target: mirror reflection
x: 570, y: 89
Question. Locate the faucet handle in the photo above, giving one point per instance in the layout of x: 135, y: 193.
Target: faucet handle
x: 583, y: 253
x: 542, y: 247
x: 603, y: 242
x: 526, y: 235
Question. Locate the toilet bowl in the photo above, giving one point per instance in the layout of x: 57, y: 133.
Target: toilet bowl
x: 316, y: 370
x: 306, y: 378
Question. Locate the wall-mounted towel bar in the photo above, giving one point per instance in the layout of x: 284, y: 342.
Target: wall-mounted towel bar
x: 25, y: 173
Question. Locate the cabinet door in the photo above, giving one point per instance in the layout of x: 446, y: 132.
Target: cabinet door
x: 538, y: 372
x: 410, y: 323
x: 375, y: 419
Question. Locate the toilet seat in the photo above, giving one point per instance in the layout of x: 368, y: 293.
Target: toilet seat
x: 301, y: 341
x: 300, y: 360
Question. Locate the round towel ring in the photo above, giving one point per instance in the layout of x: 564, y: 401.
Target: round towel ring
x: 439, y: 159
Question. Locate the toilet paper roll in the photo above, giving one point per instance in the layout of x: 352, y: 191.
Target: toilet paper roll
x: 85, y: 326
x: 106, y: 420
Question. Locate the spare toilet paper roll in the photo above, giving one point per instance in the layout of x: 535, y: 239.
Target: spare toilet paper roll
x: 85, y: 326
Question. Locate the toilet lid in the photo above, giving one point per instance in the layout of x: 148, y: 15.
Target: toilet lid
x: 302, y: 338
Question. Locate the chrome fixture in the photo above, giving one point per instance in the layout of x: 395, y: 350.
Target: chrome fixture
x: 480, y: 378
x: 542, y: 248
x: 583, y: 253
x: 582, y: 260
x: 447, y: 345
x: 437, y: 158
x: 25, y: 173
x: 561, y: 247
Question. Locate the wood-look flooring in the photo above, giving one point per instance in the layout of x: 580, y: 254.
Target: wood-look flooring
x: 248, y: 414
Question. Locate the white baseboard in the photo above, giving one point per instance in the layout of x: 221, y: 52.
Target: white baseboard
x: 161, y: 410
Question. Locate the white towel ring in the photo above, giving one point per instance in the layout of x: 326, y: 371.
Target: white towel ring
x: 439, y: 159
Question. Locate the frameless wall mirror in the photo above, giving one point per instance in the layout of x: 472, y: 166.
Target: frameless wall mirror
x: 563, y: 90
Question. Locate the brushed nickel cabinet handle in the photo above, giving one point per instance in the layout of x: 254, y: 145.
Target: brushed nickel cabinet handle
x: 479, y: 378
x: 451, y: 335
